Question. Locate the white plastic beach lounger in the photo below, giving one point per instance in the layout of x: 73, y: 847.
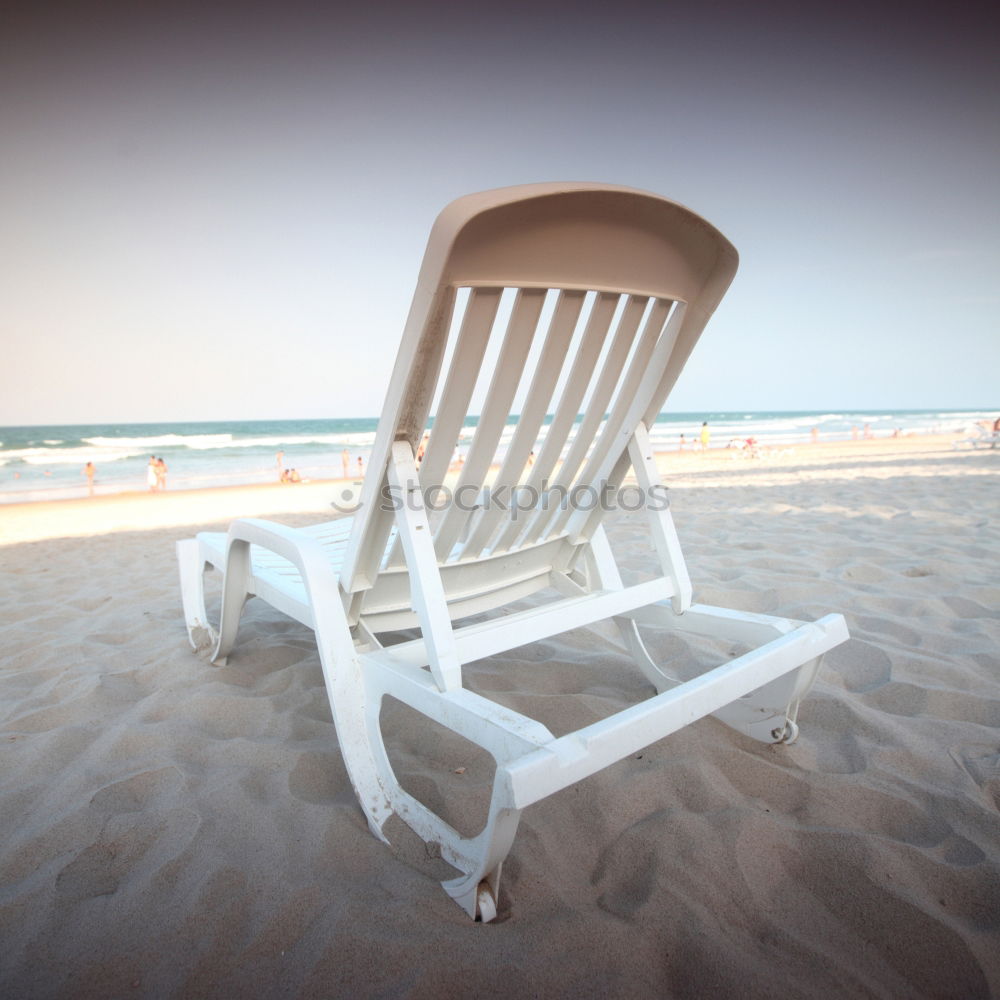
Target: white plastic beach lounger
x: 608, y: 289
x: 981, y: 437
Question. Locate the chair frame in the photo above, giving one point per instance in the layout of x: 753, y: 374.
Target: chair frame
x: 390, y: 567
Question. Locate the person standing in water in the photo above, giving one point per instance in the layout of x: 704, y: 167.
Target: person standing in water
x: 422, y: 449
x: 706, y: 435
x: 88, y: 471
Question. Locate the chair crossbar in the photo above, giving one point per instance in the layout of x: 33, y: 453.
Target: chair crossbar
x: 482, y: 639
x: 500, y: 730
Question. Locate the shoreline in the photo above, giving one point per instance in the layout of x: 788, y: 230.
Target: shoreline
x: 41, y: 464
x: 139, y: 510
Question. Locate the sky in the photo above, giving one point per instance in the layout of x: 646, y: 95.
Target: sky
x: 220, y: 212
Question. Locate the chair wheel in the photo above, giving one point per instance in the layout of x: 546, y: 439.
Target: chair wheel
x: 788, y: 733
x: 486, y: 905
x: 791, y: 732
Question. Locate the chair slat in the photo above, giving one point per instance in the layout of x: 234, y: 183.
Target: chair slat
x: 604, y: 387
x: 460, y: 382
x: 615, y: 434
x: 566, y: 413
x: 610, y: 464
x: 503, y: 386
x: 529, y: 424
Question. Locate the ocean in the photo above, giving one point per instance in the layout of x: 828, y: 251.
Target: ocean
x: 46, y: 463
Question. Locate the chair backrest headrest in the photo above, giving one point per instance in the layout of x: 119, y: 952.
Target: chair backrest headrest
x: 584, y: 236
x: 608, y: 289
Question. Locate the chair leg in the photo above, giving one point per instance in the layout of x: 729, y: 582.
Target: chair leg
x: 360, y: 742
x: 767, y: 714
x: 479, y: 858
x: 192, y: 567
x: 235, y: 591
x: 651, y: 670
x: 204, y: 638
x: 381, y: 796
x: 478, y: 890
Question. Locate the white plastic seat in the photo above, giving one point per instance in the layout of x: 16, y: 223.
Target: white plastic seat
x: 573, y: 306
x: 980, y: 437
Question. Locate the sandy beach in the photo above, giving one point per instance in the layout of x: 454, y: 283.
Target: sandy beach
x: 173, y: 829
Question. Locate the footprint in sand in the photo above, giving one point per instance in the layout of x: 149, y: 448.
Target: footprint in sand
x: 862, y: 666
x: 317, y: 778
x: 981, y: 762
x: 138, y: 792
x: 965, y: 608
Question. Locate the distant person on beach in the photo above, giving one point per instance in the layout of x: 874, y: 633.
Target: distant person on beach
x: 854, y: 433
x: 281, y: 471
x: 361, y: 466
x: 294, y: 477
x: 681, y: 445
x: 152, y: 477
x: 868, y: 432
x: 161, y: 474
x: 345, y: 461
x: 88, y: 471
x: 814, y: 434
x: 706, y: 435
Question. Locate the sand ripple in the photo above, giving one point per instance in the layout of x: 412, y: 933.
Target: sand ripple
x: 174, y: 829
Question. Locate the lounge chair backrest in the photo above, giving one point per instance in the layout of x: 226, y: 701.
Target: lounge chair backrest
x: 582, y: 301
